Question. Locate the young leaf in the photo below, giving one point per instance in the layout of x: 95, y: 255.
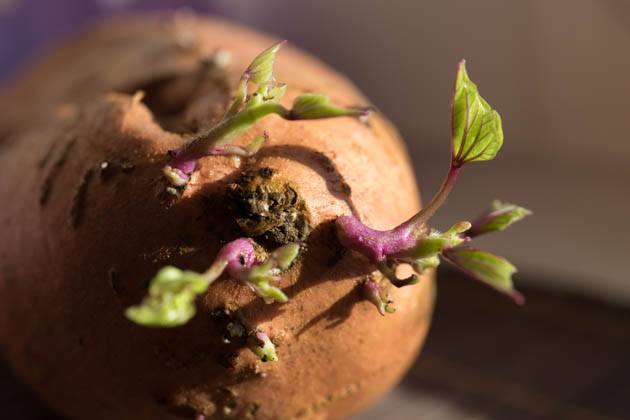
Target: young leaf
x: 171, y: 300
x: 276, y: 93
x: 239, y: 98
x: 173, y: 280
x: 260, y: 277
x: 264, y: 347
x: 422, y: 264
x: 477, y: 134
x: 500, y: 217
x: 488, y: 268
x: 250, y: 150
x: 269, y: 293
x: 310, y: 106
x: 435, y: 242
x: 175, y: 177
x: 243, y: 113
x: 260, y: 71
x: 372, y: 292
x: 283, y: 257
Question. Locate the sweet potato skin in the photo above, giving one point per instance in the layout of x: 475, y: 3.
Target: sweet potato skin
x: 86, y: 224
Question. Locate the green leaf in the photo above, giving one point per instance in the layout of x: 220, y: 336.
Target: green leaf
x: 435, y: 242
x: 310, y: 106
x: 171, y: 300
x: 458, y: 228
x: 422, y: 264
x: 276, y: 92
x: 258, y: 142
x: 283, y: 257
x: 173, y: 280
x: 270, y: 293
x: 260, y: 71
x: 239, y: 98
x: 261, y: 276
x: 488, y: 268
x: 500, y: 217
x: 477, y: 134
x: 167, y: 310
x: 264, y: 348
x: 175, y: 176
x: 250, y: 150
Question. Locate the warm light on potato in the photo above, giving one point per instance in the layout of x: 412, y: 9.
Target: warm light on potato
x: 87, y: 223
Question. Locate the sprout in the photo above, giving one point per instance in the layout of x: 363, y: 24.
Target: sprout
x: 172, y: 292
x: 372, y: 291
x: 246, y: 109
x: 476, y: 135
x: 489, y: 269
x: 263, y: 347
x: 499, y: 217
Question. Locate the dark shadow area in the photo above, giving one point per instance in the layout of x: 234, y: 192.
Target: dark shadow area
x: 186, y: 102
x: 336, y: 313
x: 325, y: 261
x: 17, y: 401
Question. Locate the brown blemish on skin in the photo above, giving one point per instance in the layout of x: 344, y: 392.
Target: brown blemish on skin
x: 78, y: 202
x: 329, y: 166
x: 251, y: 410
x: 47, y: 155
x: 264, y: 205
x: 165, y: 253
x: 49, y: 181
x: 109, y: 167
x: 112, y: 276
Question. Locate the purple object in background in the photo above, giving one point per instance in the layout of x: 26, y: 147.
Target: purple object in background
x: 28, y: 26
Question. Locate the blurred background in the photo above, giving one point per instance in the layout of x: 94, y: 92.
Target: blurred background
x: 556, y: 70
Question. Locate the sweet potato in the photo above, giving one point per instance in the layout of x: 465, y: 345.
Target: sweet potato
x: 87, y: 223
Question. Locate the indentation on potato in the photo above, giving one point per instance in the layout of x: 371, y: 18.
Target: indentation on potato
x: 47, y: 156
x: 80, y: 197
x: 188, y: 102
x: 46, y: 188
x: 266, y: 206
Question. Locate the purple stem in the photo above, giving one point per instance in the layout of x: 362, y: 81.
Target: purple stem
x: 262, y: 336
x: 203, y: 144
x: 238, y: 254
x: 378, y: 245
x: 183, y: 162
x: 436, y: 202
x: 372, y: 292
